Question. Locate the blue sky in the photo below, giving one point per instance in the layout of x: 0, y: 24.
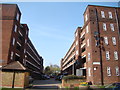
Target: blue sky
x: 52, y: 26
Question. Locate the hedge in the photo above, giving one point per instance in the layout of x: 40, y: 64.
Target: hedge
x: 71, y: 77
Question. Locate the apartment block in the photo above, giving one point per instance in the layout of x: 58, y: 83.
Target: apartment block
x: 95, y: 52
x: 16, y: 44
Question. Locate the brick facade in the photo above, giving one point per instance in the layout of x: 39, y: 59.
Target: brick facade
x: 16, y: 45
x: 92, y: 48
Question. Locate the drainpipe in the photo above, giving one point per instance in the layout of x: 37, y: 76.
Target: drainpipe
x: 101, y: 64
x: 73, y: 69
x: 13, y: 79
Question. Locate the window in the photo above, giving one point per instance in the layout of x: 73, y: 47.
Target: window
x: 107, y: 55
x: 77, y: 52
x: 76, y: 34
x: 112, y: 27
x: 115, y: 55
x: 26, y: 32
x: 18, y: 46
x: 110, y: 15
x: 24, y: 50
x: 86, y: 17
x: 102, y: 14
x: 114, y: 40
x: 11, y: 56
x: 108, y: 71
x: 76, y: 42
x: 89, y: 71
x: 25, y: 40
x: 104, y: 27
x: 17, y: 57
x: 88, y: 42
x: 15, y: 29
x: 13, y: 42
x: 88, y: 56
x: 20, y: 33
x: 117, y: 71
x: 87, y: 29
x: 17, y: 17
x: 106, y: 40
x: 24, y: 61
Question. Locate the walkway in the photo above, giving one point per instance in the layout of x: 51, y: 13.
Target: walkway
x: 46, y: 84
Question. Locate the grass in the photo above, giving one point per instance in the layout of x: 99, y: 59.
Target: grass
x: 76, y: 88
x: 11, y: 88
x: 101, y: 86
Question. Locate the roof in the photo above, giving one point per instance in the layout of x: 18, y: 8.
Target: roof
x: 99, y: 6
x: 16, y: 65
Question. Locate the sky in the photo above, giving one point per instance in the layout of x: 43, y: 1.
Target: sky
x: 52, y: 25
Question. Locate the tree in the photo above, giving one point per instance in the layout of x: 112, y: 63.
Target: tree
x: 52, y: 69
x: 47, y: 70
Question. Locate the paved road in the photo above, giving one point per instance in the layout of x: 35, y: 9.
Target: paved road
x: 46, y: 84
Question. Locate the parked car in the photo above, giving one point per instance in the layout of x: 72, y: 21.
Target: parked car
x: 59, y: 77
x: 44, y: 77
x: 47, y: 77
x: 30, y: 79
x: 113, y: 86
x: 51, y: 76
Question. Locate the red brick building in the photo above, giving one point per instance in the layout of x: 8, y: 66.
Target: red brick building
x: 16, y: 45
x: 95, y: 52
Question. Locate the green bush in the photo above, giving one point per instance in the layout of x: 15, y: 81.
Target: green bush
x: 71, y: 77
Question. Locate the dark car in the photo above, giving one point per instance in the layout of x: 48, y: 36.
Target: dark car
x: 30, y: 79
x: 59, y: 77
x: 44, y: 77
x: 113, y: 86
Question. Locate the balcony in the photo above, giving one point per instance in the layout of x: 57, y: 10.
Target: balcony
x: 83, y: 45
x: 82, y: 34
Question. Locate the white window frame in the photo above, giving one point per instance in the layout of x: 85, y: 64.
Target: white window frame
x: 13, y: 41
x: 115, y: 55
x: 88, y: 42
x: 112, y: 27
x: 24, y: 50
x: 110, y: 15
x: 17, y: 54
x: 24, y: 61
x: 114, y: 40
x: 77, y: 42
x: 89, y: 71
x: 25, y: 40
x: 77, y: 52
x: 106, y: 40
x: 15, y: 29
x: 104, y: 27
x: 102, y: 14
x: 107, y: 55
x: 17, y: 17
x: 108, y: 71
x: 117, y: 71
x: 11, y: 56
x: 20, y: 33
x: 87, y: 30
x: 88, y: 56
x: 86, y: 17
x: 76, y: 34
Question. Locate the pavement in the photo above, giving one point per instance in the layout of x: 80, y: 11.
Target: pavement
x: 45, y: 84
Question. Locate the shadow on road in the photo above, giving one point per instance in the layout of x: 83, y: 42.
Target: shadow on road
x: 50, y: 84
x: 45, y: 87
x: 44, y: 82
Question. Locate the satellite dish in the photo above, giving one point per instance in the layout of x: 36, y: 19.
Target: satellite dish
x: 95, y: 33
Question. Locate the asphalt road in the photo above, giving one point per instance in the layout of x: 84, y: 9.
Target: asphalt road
x: 46, y: 84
